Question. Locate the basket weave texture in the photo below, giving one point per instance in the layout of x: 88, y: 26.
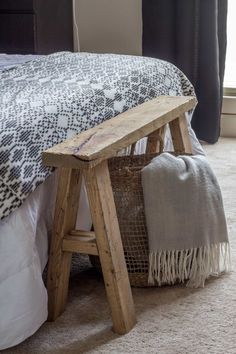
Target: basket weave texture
x: 125, y: 174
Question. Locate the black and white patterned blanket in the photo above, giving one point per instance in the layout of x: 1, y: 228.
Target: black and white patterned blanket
x: 47, y: 100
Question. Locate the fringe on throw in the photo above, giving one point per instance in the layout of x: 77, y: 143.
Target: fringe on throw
x: 194, y: 265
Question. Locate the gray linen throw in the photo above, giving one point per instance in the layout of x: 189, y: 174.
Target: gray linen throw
x: 185, y: 218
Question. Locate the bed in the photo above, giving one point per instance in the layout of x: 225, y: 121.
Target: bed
x: 87, y: 89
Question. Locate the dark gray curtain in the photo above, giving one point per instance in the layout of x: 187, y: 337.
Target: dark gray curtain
x: 192, y: 35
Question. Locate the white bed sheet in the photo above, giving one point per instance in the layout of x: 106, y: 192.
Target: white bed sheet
x: 24, y: 250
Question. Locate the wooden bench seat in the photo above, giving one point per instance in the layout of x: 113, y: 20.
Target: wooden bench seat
x: 86, y: 155
x: 104, y: 140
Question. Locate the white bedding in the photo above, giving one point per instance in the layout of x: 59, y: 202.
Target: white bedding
x: 23, y: 256
x: 8, y: 61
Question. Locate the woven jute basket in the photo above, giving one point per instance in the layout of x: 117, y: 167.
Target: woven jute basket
x: 125, y: 174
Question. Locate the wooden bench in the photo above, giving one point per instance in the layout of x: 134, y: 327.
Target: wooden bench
x: 86, y: 155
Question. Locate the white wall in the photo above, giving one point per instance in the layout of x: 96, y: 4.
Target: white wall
x: 113, y: 26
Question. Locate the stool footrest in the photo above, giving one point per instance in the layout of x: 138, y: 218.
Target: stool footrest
x: 83, y: 235
x: 74, y: 244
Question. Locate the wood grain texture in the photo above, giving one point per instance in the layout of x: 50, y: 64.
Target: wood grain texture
x: 67, y: 202
x: 74, y: 244
x: 155, y: 141
x: 83, y: 234
x: 110, y: 248
x: 104, y: 140
x: 180, y: 135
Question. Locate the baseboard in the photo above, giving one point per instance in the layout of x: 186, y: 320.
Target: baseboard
x: 228, y: 125
x: 229, y: 105
x: 228, y: 117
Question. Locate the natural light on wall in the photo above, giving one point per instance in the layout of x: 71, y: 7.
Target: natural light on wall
x: 230, y: 69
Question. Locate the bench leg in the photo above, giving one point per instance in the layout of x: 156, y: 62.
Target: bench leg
x: 110, y: 248
x: 155, y: 140
x: 59, y: 263
x: 180, y: 135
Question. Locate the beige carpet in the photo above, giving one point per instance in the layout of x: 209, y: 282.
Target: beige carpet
x: 171, y: 320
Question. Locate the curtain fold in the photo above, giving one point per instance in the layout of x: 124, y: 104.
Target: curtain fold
x: 192, y: 35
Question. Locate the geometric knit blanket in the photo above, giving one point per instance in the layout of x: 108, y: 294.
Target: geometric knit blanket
x: 50, y: 99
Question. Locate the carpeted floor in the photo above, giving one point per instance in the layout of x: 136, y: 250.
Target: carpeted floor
x: 171, y: 320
